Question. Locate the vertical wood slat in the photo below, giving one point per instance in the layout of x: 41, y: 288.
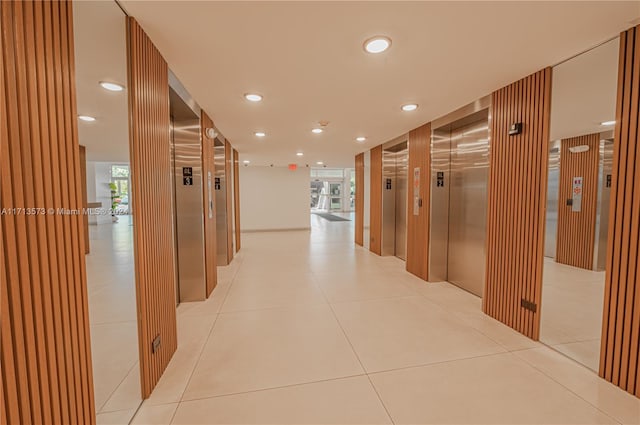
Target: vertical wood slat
x: 359, y: 199
x: 576, y: 230
x: 228, y: 166
x: 46, y: 352
x: 151, y: 207
x: 620, y: 346
x: 375, y: 233
x: 208, y: 166
x: 516, y: 200
x: 236, y: 198
x: 418, y: 225
x: 85, y: 217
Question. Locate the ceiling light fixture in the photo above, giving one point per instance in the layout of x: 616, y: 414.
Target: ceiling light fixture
x: 253, y: 97
x: 377, y: 44
x: 361, y: 139
x: 320, y: 163
x: 410, y: 107
x: 299, y: 154
x: 260, y: 134
x: 246, y: 161
x: 317, y: 130
x: 607, y: 123
x: 86, y: 118
x: 111, y: 86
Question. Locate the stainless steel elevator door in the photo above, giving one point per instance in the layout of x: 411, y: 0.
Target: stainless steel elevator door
x: 394, y: 200
x: 468, y: 206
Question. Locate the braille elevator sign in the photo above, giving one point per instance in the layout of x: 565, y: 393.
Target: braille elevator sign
x: 440, y: 179
x: 217, y: 183
x: 608, y: 180
x: 187, y: 171
x: 187, y: 181
x: 388, y: 184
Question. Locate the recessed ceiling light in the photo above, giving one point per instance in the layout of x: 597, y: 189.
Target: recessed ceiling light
x: 111, y: 86
x: 253, y: 97
x: 246, y: 161
x: 299, y: 154
x: 361, y: 139
x: 410, y: 107
x: 606, y: 123
x: 317, y: 130
x: 377, y: 44
x: 320, y: 163
x: 260, y: 133
x: 86, y: 118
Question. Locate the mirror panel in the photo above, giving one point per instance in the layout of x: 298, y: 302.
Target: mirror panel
x: 101, y: 57
x: 581, y: 149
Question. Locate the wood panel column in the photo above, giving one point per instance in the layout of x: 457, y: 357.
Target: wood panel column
x: 375, y: 232
x: 619, y: 358
x: 359, y: 201
x: 516, y: 203
x: 151, y: 180
x: 419, y: 185
x: 236, y: 198
x: 208, y: 176
x: 45, y: 348
x: 577, y: 230
x: 228, y: 166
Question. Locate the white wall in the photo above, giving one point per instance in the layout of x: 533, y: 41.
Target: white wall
x: 98, y: 179
x: 273, y: 198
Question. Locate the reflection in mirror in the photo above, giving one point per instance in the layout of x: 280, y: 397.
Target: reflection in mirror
x: 101, y: 85
x: 580, y: 160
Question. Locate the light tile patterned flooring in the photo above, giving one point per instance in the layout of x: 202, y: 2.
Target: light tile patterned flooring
x: 571, y: 316
x: 305, y: 327
x: 112, y: 316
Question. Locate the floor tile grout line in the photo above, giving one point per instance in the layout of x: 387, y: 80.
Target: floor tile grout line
x: 567, y: 388
x: 111, y: 394
x: 213, y: 325
x: 278, y: 387
x: 335, y: 316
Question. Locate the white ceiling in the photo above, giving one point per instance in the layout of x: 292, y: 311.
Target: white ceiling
x: 306, y: 58
x: 100, y: 37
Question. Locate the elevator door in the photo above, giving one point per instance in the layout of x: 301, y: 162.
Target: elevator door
x: 467, y: 206
x: 394, y: 200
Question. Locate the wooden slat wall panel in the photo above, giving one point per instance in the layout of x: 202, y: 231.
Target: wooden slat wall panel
x: 236, y: 197
x: 46, y: 352
x: 152, y: 207
x: 516, y: 202
x: 208, y: 166
x: 83, y: 182
x: 359, y: 225
x: 418, y: 225
x: 576, y: 230
x: 375, y: 232
x: 228, y: 166
x: 619, y: 358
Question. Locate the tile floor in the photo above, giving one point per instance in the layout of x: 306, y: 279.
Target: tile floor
x: 305, y: 327
x: 571, y: 316
x: 113, y: 319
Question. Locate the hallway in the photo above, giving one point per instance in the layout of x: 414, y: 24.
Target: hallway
x: 306, y: 327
